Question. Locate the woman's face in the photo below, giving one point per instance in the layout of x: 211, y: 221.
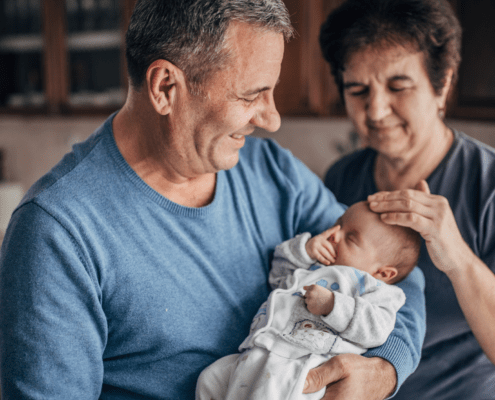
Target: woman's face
x: 391, y: 102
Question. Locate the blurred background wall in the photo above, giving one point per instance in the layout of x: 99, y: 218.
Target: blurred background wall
x: 62, y: 72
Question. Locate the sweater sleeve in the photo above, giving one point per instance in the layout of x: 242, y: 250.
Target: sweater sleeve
x: 403, y: 347
x: 52, y: 327
x: 367, y: 319
x: 289, y: 256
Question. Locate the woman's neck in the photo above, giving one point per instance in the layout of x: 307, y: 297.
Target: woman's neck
x: 395, y: 173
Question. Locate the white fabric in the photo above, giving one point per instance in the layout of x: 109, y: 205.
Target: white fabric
x: 286, y: 340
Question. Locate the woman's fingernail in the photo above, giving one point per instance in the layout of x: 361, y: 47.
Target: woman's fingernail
x: 373, y: 204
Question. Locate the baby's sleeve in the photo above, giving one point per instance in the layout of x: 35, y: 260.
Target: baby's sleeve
x: 289, y: 256
x: 367, y: 316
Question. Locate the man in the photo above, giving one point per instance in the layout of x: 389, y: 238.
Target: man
x: 142, y: 257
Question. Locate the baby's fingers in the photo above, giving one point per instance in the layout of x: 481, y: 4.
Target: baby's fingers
x: 330, y: 249
x: 324, y: 257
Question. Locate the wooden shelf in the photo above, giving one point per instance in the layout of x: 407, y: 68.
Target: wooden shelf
x: 21, y: 43
x: 306, y: 87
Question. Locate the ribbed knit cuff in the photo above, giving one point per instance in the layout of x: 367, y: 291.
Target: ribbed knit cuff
x: 395, y: 351
x: 298, y: 248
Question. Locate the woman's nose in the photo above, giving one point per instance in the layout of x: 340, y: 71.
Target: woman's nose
x: 378, y: 106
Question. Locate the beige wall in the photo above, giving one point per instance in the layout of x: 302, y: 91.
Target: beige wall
x: 317, y: 142
x: 32, y: 145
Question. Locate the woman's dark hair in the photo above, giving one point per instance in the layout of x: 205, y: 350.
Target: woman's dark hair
x: 191, y: 33
x: 430, y: 26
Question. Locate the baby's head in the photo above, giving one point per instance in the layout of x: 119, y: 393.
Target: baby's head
x: 365, y: 242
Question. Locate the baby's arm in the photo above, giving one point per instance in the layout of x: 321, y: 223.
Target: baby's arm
x: 289, y: 256
x: 319, y: 300
x: 368, y: 318
x: 300, y: 252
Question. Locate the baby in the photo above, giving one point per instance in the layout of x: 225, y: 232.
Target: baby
x: 316, y: 311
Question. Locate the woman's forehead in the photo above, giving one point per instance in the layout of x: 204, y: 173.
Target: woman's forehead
x: 387, y: 60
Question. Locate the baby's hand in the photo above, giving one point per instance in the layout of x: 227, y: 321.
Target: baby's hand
x: 319, y: 247
x: 319, y: 300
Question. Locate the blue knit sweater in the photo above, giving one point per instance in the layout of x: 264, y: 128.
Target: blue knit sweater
x: 109, y: 290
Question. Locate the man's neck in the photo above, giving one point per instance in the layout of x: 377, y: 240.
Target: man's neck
x: 133, y: 132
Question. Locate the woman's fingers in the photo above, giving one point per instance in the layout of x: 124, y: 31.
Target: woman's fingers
x: 415, y: 221
x: 405, y: 196
x: 404, y: 211
x: 428, y: 214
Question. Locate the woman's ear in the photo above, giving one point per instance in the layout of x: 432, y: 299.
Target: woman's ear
x: 386, y: 273
x: 446, y: 89
x: 162, y: 77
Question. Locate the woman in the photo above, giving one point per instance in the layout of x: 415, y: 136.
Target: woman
x: 394, y: 63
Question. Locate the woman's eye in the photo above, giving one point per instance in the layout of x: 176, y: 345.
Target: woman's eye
x: 397, y: 89
x: 357, y: 93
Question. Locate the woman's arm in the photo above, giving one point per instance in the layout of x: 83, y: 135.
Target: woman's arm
x: 473, y: 281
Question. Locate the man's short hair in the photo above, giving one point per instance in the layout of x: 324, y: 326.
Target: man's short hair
x: 191, y: 34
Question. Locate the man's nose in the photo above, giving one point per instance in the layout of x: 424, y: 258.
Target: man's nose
x: 267, y: 117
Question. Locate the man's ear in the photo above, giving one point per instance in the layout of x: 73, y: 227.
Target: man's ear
x: 386, y: 273
x: 162, y: 77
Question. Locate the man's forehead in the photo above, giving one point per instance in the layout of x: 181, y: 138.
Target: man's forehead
x: 255, y: 58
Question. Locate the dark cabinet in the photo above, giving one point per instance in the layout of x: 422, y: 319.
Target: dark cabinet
x: 66, y: 56
x: 62, y: 56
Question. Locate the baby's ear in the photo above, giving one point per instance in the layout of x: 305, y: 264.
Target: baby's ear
x: 386, y: 273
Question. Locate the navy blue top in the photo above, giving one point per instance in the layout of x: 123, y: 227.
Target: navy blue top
x: 453, y: 365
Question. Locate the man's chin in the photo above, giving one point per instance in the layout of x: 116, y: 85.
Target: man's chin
x: 228, y: 162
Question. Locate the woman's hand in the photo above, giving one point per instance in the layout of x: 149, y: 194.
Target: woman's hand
x: 351, y: 376
x: 473, y: 281
x: 431, y: 216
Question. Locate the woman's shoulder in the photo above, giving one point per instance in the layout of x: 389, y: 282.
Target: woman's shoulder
x: 473, y: 155
x: 470, y: 146
x: 465, y: 176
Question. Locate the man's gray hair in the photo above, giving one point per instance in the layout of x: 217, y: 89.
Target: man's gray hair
x: 191, y: 33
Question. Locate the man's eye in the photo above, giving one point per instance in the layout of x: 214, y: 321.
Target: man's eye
x: 397, y: 89
x: 248, y: 100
